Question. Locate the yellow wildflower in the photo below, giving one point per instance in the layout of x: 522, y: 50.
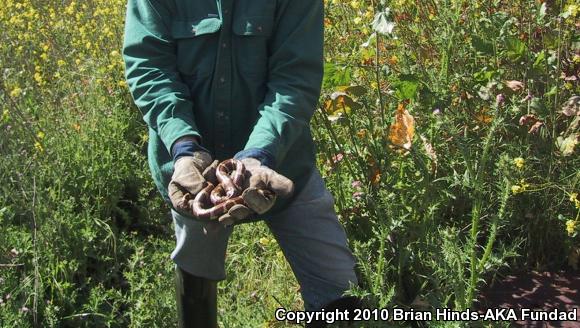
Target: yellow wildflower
x: 15, y: 92
x: 519, y: 162
x: 40, y: 135
x: 355, y: 4
x: 61, y: 62
x: 38, y: 146
x: 570, y: 227
x: 369, y: 13
x: 5, y: 116
x: 521, y: 187
x: 571, y: 11
x: 38, y: 78
x: 264, y: 241
x: 574, y: 199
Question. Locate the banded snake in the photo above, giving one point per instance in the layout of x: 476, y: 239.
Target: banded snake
x: 214, y: 201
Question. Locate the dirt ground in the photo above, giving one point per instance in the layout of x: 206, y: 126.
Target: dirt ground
x: 539, y: 291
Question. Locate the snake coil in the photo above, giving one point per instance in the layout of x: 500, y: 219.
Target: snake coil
x: 214, y: 201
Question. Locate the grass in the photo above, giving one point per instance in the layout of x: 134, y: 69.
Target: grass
x: 448, y: 141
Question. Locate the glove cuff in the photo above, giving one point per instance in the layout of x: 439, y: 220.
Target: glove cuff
x: 262, y: 155
x: 185, y: 148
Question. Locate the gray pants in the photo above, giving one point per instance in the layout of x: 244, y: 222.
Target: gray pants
x: 308, y: 231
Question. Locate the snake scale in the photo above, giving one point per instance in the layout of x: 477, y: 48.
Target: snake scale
x: 214, y: 201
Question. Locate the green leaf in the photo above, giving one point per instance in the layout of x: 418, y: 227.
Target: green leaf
x: 2, y: 211
x: 354, y: 90
x: 406, y: 87
x: 482, y: 46
x: 542, y: 12
x: 575, y: 41
x: 567, y: 145
x: 351, y: 105
x: 335, y: 75
x: 537, y: 105
x: 515, y: 48
x: 552, y: 92
x: 341, y: 102
x: 540, y: 58
x: 484, y: 75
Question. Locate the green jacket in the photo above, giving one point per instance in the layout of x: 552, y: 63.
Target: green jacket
x: 238, y: 74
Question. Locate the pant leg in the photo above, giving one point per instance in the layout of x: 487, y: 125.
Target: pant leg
x: 315, y: 245
x: 198, y: 252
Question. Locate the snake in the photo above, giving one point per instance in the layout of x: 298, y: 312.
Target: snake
x: 214, y: 201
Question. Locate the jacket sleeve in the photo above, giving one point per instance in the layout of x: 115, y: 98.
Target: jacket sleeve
x: 295, y: 77
x: 151, y: 72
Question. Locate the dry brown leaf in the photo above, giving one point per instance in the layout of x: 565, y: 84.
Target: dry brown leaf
x: 532, y: 121
x: 572, y: 106
x: 514, y: 85
x: 375, y: 176
x: 528, y: 118
x: 536, y: 127
x: 483, y: 117
x: 402, y: 130
x: 430, y: 151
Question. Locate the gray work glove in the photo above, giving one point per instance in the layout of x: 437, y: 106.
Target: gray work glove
x: 187, y: 180
x: 259, y: 178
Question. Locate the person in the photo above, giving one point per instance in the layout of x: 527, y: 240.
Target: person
x: 222, y: 79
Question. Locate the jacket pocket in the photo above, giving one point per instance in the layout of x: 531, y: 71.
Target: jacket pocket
x: 251, y: 37
x: 196, y: 45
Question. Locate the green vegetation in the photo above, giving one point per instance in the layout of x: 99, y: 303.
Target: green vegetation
x: 447, y: 132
